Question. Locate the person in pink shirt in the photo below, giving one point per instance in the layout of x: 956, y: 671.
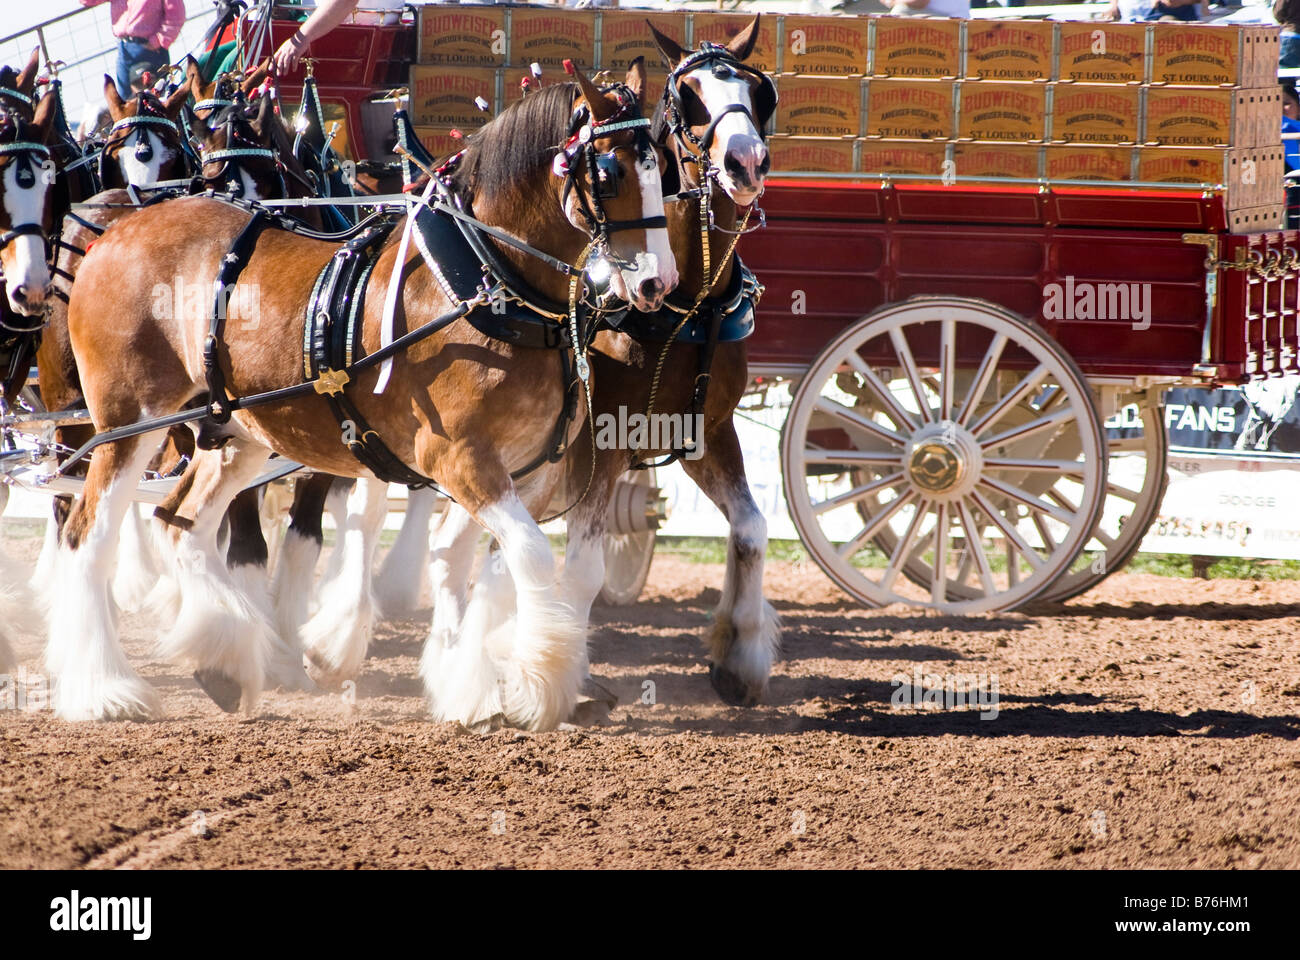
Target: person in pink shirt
x: 144, y: 30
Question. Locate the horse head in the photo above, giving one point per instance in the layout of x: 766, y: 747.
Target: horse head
x: 238, y: 149
x: 144, y: 144
x: 26, y: 174
x: 717, y: 109
x: 18, y: 89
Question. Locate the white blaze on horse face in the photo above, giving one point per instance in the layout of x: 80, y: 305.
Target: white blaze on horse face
x: 23, y: 257
x: 735, y: 138
x: 652, y: 272
x: 250, y: 186
x: 144, y: 173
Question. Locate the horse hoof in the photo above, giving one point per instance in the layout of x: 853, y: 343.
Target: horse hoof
x: 733, y: 690
x: 322, y: 674
x: 591, y: 690
x: 224, y: 691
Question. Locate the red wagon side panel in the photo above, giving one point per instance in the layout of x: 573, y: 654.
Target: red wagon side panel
x: 839, y: 251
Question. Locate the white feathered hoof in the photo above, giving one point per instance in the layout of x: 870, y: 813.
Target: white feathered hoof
x: 224, y: 690
x: 594, y: 704
x: 742, y: 660
x: 81, y: 695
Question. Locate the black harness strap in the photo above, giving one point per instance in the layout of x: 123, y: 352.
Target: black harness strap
x: 220, y: 405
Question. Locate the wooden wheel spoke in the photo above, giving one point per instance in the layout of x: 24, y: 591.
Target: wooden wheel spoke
x: 1127, y: 445
x: 1009, y: 531
x: 1023, y: 497
x: 975, y: 547
x: 947, y: 366
x: 988, y: 366
x: 850, y: 547
x: 910, y: 373
x: 1069, y: 468
x: 901, y: 417
x: 1053, y: 419
x: 1126, y: 493
x: 1018, y: 393
x: 904, y: 546
x: 835, y: 409
x: 858, y: 493
x: 846, y: 458
x: 938, y: 584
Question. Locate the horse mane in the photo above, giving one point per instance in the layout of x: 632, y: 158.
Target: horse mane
x: 518, y: 142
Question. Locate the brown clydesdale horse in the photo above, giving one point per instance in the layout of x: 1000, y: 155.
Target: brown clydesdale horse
x: 716, y: 95
x: 462, y: 408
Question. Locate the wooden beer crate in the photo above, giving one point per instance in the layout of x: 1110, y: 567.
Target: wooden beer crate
x: 1009, y: 49
x: 912, y: 157
x: 443, y: 96
x: 1098, y: 52
x: 819, y: 106
x: 916, y: 47
x: 723, y: 27
x: 811, y: 154
x: 992, y: 110
x: 1096, y: 113
x: 910, y: 109
x: 624, y: 37
x: 1209, y: 117
x: 464, y: 35
x: 830, y: 46
x: 1063, y: 162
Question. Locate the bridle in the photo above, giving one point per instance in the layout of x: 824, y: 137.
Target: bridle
x: 603, y: 168
x: 695, y: 149
x: 235, y: 156
x: 25, y: 152
x: 148, y: 114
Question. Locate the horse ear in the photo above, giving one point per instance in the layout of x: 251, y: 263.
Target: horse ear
x: 668, y: 47
x: 636, y: 79
x: 263, y: 119
x: 195, y: 80
x: 601, y: 105
x: 116, y: 108
x: 172, y: 105
x: 45, y: 113
x: 256, y: 77
x: 742, y: 44
x: 27, y: 79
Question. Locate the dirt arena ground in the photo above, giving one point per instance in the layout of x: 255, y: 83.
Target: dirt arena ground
x: 1152, y: 723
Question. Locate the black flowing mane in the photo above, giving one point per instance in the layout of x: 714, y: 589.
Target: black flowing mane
x: 511, y: 148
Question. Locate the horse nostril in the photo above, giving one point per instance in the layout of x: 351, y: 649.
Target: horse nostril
x: 651, y: 289
x: 733, y: 166
x: 20, y: 294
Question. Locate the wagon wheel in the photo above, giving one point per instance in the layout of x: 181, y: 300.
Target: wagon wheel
x: 984, y: 481
x: 628, y: 554
x: 1129, y: 509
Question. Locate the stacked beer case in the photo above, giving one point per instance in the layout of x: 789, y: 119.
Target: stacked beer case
x: 904, y: 97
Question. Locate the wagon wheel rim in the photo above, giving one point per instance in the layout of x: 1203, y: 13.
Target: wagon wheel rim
x: 1129, y: 510
x: 947, y: 473
x: 628, y: 555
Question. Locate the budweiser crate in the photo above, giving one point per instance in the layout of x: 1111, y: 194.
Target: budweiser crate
x: 911, y: 157
x: 819, y: 106
x: 811, y: 154
x: 1256, y: 219
x: 1203, y: 54
x: 916, y: 47
x: 1009, y: 49
x: 1096, y: 52
x: 723, y: 27
x: 910, y: 109
x: 443, y: 96
x: 623, y: 36
x: 991, y: 110
x: 551, y: 35
x: 1250, y: 177
x: 1096, y: 113
x: 1017, y: 161
x: 1204, y: 117
x: 462, y: 34
x: 829, y: 46
x: 1063, y: 162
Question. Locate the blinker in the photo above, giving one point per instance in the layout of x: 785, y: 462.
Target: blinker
x: 607, y: 174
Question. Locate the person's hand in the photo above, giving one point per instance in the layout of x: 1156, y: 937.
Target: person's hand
x: 290, y: 53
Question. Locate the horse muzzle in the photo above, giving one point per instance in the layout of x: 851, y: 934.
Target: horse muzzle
x: 744, y: 168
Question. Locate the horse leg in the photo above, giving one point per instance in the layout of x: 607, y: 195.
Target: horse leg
x: 397, y: 585
x: 295, y: 568
x: 746, y: 632
x: 246, y: 558
x: 538, y: 671
x: 221, y: 630
x: 336, y: 638
x: 137, y: 570
x: 91, y: 676
x: 447, y: 665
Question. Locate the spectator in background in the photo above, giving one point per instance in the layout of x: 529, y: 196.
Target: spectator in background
x: 328, y: 15
x: 1287, y: 13
x: 928, y: 8
x: 145, y: 30
x: 1138, y: 11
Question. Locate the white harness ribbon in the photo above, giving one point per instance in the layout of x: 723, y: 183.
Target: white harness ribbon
x: 395, y: 284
